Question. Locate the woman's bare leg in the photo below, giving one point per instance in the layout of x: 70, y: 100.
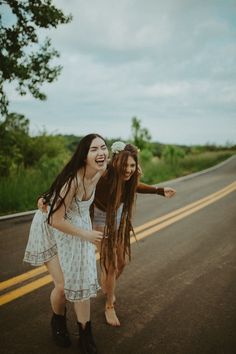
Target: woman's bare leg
x: 82, y: 310
x: 110, y: 312
x: 108, y: 284
x: 111, y: 281
x: 121, y: 262
x: 58, y: 302
x: 57, y: 297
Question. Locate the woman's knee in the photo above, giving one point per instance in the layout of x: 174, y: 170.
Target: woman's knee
x: 59, y: 288
x: 111, y: 270
x: 121, y: 263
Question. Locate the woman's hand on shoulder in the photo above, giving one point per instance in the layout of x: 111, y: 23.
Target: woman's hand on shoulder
x: 42, y: 205
x: 169, y: 192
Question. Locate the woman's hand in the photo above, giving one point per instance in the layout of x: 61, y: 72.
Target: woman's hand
x: 92, y: 236
x: 169, y: 192
x: 42, y: 205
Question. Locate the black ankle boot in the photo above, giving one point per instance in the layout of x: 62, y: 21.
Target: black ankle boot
x: 86, y: 341
x: 59, y: 330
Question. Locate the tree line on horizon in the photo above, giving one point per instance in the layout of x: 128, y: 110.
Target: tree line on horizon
x: 29, y: 164
x: 20, y: 150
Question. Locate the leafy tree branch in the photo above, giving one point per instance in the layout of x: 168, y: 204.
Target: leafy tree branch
x: 23, y: 59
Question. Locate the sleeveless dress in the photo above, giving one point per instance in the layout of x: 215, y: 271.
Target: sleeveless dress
x: 41, y: 246
x: 76, y: 256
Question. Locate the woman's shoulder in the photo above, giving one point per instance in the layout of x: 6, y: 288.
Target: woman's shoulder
x: 105, y: 178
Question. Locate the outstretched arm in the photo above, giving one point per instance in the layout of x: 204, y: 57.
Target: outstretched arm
x: 148, y: 189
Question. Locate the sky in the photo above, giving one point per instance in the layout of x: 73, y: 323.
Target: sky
x: 169, y: 63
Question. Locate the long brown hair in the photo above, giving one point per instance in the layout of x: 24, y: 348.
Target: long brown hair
x: 63, y: 181
x: 120, y: 191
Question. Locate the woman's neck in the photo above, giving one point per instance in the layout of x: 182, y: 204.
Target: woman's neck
x: 87, y: 174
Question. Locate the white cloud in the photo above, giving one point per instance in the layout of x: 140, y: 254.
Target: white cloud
x: 171, y: 63
x: 174, y: 89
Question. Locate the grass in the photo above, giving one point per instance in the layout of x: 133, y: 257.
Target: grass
x: 158, y: 171
x: 19, y: 192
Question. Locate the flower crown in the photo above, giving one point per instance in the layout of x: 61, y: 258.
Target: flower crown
x: 117, y: 146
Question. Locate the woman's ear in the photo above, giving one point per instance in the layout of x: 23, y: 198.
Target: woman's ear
x: 139, y: 168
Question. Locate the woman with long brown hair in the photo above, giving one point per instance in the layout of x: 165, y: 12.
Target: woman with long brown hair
x: 67, y: 245
x: 113, y: 208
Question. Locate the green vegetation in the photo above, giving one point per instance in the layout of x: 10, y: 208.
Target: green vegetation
x: 19, y: 191
x: 164, y: 162
x: 28, y: 164
x: 24, y: 59
x: 158, y: 170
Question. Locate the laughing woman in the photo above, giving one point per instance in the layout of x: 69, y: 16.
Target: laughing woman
x: 67, y: 245
x: 113, y: 209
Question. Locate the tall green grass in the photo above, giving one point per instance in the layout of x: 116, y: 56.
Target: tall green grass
x: 19, y: 192
x: 158, y: 170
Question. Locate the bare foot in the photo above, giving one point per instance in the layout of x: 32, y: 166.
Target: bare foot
x: 111, y: 317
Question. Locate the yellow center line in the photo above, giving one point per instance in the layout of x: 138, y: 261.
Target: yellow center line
x: 22, y: 277
x: 25, y: 289
x: 150, y: 227
x: 178, y: 217
x: 42, y: 269
x: 181, y: 210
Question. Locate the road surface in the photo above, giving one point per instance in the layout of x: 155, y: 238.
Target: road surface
x: 177, y: 296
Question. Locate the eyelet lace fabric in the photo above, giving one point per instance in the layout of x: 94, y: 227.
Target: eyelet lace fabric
x: 41, y: 246
x: 76, y: 256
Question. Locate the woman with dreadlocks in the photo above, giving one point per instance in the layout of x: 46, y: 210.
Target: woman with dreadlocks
x: 66, y: 246
x: 112, y: 214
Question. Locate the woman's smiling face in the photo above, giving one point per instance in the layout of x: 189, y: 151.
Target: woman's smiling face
x: 130, y: 168
x: 97, y: 155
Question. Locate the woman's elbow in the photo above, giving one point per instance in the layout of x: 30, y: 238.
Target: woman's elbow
x: 55, y: 222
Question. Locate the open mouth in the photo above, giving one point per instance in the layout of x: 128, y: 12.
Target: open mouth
x: 100, y: 162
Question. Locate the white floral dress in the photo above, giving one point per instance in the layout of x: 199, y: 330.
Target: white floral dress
x: 76, y: 256
x: 41, y: 246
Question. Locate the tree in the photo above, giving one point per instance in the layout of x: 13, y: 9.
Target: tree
x: 172, y: 154
x: 140, y: 136
x: 18, y: 150
x: 14, y: 139
x: 23, y: 59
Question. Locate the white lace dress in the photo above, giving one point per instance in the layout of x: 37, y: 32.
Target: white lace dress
x: 41, y: 246
x: 77, y: 257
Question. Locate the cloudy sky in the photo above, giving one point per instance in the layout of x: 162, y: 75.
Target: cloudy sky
x: 170, y: 63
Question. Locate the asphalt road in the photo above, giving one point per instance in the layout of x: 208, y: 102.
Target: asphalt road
x: 177, y: 296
